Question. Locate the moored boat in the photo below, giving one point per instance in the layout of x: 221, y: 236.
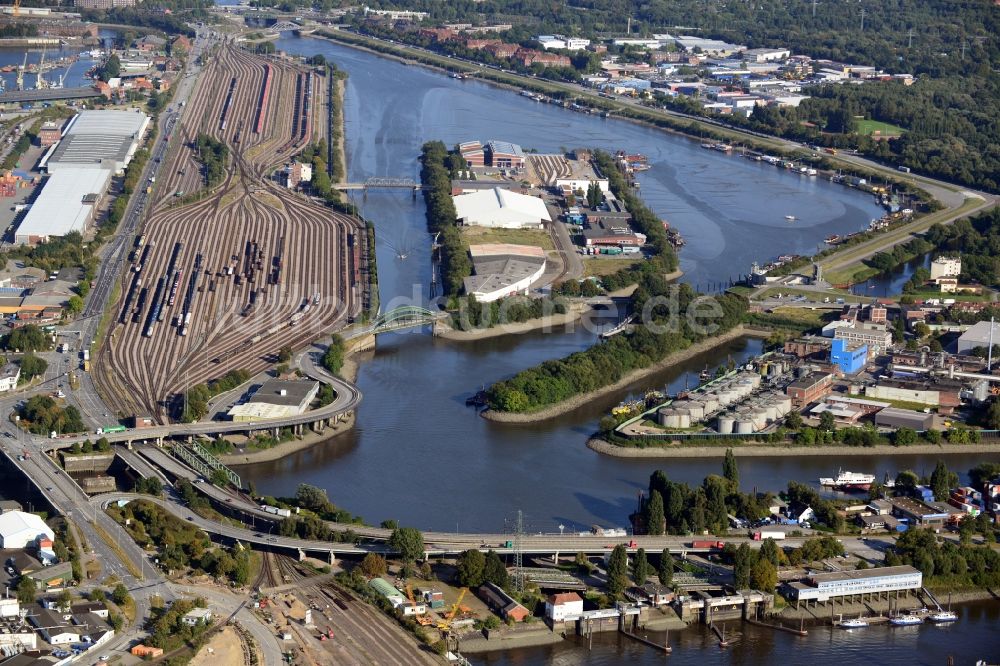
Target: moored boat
x: 854, y: 624
x: 849, y: 481
x: 905, y: 620
x: 943, y: 616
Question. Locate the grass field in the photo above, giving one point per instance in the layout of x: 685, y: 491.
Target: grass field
x: 477, y: 235
x: 868, y: 127
x: 600, y: 266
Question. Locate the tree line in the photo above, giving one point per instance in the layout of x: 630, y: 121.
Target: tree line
x: 438, y: 166
x: 213, y: 155
x: 605, y: 363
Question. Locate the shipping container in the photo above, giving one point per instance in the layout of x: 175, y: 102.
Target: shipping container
x: 719, y: 545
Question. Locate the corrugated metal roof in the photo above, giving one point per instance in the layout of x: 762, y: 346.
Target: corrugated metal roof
x: 59, y: 208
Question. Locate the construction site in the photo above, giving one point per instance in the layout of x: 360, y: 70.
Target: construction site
x: 224, y: 274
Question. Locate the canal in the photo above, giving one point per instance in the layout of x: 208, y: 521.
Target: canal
x: 418, y: 454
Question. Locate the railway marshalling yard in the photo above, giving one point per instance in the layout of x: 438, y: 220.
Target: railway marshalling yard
x: 226, y: 277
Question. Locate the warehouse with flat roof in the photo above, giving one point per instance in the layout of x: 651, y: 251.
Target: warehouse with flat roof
x: 501, y: 208
x: 822, y: 587
x: 98, y: 140
x: 276, y: 398
x: 68, y: 201
x: 502, y: 270
x: 979, y: 335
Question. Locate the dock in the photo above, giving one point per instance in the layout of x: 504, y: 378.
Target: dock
x: 777, y: 627
x: 664, y: 648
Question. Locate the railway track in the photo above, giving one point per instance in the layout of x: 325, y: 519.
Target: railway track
x: 231, y: 310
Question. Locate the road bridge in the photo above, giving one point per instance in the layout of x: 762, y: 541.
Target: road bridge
x: 406, y: 316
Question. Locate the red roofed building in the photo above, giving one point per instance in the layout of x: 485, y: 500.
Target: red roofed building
x: 478, y: 44
x: 563, y: 606
x: 529, y: 57
x: 502, y: 50
x: 437, y: 34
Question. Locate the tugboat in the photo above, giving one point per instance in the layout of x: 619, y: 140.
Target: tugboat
x: 791, y: 218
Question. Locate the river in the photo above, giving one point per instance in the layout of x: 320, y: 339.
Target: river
x: 76, y: 70
x: 418, y: 454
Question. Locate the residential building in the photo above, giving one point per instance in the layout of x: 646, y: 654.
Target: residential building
x: 822, y: 587
x: 501, y: 208
x: 848, y: 358
x: 529, y: 57
x: 944, y: 267
x: 196, y: 615
x: 103, y: 4
x: 19, y: 529
x: 876, y: 337
x: 564, y: 606
x: 653, y: 594
x: 276, y: 398
x: 502, y: 50
x: 876, y: 522
x: 503, y: 270
x: 502, y: 603
x: 809, y: 389
x: 979, y: 335
x: 10, y: 374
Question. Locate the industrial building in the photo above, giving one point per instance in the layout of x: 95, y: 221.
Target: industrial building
x: 919, y: 513
x: 848, y: 358
x: 498, y: 154
x: 979, y: 335
x: 894, y: 417
x: 945, y: 267
x: 502, y: 603
x: 98, y: 140
x: 276, y: 398
x: 935, y: 392
x: 19, y: 529
x: 68, y: 202
x: 835, y: 585
x: 503, y: 270
x: 875, y: 335
x: 500, y: 208
x: 94, y: 147
x: 806, y: 390
x: 564, y: 606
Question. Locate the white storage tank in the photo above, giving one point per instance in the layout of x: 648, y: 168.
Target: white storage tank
x: 759, y: 418
x: 710, y: 403
x: 726, y: 423
x: 743, y: 427
x: 697, y: 410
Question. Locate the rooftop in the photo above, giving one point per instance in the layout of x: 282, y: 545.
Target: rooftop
x: 59, y: 208
x: 837, y: 576
x: 505, y: 148
x: 285, y: 392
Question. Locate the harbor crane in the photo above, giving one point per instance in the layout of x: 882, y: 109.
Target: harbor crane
x: 40, y: 79
x: 62, y: 77
x: 20, y: 72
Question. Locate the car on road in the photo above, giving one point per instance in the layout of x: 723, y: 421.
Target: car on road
x: 191, y: 518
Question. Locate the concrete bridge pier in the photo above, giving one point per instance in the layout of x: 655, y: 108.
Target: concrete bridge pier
x: 319, y: 426
x: 332, y: 559
x: 302, y: 555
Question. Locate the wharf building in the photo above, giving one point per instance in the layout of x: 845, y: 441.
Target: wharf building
x: 847, y: 586
x: 497, y: 154
x: 500, y: 208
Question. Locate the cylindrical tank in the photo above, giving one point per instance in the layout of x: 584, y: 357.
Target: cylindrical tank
x: 771, y: 410
x: 696, y: 409
x: 784, y: 404
x: 759, y: 418
x: 743, y: 427
x: 710, y: 402
x: 726, y: 422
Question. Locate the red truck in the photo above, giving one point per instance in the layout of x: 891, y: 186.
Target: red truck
x: 719, y: 545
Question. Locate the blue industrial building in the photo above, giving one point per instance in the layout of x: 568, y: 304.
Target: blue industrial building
x: 848, y: 359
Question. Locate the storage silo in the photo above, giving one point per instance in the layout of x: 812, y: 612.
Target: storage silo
x: 726, y: 423
x: 743, y: 426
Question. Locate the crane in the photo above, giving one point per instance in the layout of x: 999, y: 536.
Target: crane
x: 62, y: 77
x: 445, y: 624
x: 20, y: 72
x: 40, y: 80
x: 421, y: 619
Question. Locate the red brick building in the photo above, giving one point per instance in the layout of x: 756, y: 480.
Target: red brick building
x: 809, y: 389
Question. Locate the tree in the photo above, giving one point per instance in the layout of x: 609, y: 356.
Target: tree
x: 665, y: 572
x: 471, y: 568
x: 640, y: 567
x: 64, y: 599
x: 74, y: 305
x: 906, y: 481
x: 494, y: 571
x: 373, y: 565
x: 655, y: 521
x: 794, y: 420
x: 389, y: 524
x: 32, y: 366
x: 730, y: 470
x: 408, y: 542
x: 333, y: 357
x: 942, y: 481
x: 103, y: 445
x: 742, y: 562
x: 285, y: 354
x: 770, y: 552
x: 26, y: 590
x: 120, y: 594
x: 312, y: 498
x: 904, y: 437
x: 826, y: 422
x: 763, y: 575
x: 617, y: 571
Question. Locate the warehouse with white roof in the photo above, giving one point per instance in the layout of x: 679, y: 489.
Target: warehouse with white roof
x: 502, y: 209
x: 19, y: 529
x: 95, y: 146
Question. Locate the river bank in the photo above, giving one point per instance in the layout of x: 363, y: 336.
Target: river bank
x: 349, y: 371
x: 578, y: 401
x: 675, y: 450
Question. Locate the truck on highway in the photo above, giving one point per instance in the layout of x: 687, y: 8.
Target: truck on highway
x: 86, y: 354
x: 777, y: 535
x: 715, y: 545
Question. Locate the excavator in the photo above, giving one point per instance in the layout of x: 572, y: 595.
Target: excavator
x: 445, y: 624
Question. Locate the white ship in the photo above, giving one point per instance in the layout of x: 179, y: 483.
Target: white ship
x: 849, y: 481
x: 853, y: 624
x: 944, y: 616
x: 905, y: 620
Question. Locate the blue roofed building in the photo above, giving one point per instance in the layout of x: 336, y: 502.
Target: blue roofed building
x: 849, y: 358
